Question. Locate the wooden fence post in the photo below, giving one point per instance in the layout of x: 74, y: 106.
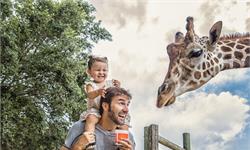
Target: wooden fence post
x: 151, y: 137
x: 186, y: 141
x: 146, y: 138
x: 169, y: 144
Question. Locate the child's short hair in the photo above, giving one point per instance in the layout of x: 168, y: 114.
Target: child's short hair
x: 93, y: 59
x: 112, y: 92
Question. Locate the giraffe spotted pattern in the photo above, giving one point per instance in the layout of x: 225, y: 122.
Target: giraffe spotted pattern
x: 195, y: 60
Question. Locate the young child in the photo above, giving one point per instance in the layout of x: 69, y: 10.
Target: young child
x: 98, y: 71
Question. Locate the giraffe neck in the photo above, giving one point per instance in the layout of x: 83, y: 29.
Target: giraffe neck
x: 234, y: 53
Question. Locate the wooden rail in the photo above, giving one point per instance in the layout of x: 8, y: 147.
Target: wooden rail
x: 152, y: 138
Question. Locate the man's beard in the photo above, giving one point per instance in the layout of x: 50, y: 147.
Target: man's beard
x: 112, y: 117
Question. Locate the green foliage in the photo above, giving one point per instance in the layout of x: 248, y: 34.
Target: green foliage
x: 44, y: 48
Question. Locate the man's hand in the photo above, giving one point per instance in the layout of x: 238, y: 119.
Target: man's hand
x: 83, y: 141
x: 125, y: 144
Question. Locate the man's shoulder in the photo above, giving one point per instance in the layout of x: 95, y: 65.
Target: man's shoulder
x: 79, y: 125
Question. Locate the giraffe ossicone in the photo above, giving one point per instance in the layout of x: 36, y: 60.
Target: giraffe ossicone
x: 195, y: 60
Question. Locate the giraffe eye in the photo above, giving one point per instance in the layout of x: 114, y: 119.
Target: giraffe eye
x: 195, y: 53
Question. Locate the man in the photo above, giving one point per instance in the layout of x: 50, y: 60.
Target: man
x: 113, y: 110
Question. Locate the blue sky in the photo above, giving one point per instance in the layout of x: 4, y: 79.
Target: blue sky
x: 242, y: 140
x: 236, y: 87
x: 217, y: 114
x: 240, y: 88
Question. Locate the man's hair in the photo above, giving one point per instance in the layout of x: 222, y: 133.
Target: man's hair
x: 93, y: 59
x: 112, y: 92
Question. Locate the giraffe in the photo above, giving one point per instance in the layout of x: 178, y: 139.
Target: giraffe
x: 194, y: 60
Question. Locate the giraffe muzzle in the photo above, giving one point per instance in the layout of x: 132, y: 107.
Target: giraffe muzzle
x: 165, y: 95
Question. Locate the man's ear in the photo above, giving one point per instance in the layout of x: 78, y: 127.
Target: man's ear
x: 105, y: 106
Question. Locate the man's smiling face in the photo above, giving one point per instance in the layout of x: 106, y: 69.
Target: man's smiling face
x: 119, y: 109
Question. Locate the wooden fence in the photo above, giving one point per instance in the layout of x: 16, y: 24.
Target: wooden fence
x: 152, y: 138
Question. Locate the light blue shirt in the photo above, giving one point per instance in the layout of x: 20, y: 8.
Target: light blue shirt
x: 104, y: 139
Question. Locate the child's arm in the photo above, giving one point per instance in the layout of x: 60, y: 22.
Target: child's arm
x: 92, y: 94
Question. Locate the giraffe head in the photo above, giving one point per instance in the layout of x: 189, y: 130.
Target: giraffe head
x: 192, y: 62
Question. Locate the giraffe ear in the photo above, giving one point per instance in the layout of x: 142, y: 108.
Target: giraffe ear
x: 179, y: 37
x: 214, y: 33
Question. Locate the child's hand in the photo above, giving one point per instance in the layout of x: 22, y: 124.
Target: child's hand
x: 116, y: 83
x: 101, y: 92
x: 83, y: 141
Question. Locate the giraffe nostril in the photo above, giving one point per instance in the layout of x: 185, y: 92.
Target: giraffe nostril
x: 162, y: 88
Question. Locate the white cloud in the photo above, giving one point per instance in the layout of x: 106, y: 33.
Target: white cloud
x: 121, y: 12
x: 210, y: 119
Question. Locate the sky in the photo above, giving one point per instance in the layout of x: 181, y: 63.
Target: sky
x: 217, y: 115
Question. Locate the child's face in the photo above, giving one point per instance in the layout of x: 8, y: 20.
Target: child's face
x: 98, y: 71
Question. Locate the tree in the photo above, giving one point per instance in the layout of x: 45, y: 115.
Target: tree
x: 44, y: 48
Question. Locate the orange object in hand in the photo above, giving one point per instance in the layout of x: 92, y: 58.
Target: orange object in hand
x: 120, y: 134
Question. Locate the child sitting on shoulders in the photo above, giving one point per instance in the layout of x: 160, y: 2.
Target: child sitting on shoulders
x: 98, y: 71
